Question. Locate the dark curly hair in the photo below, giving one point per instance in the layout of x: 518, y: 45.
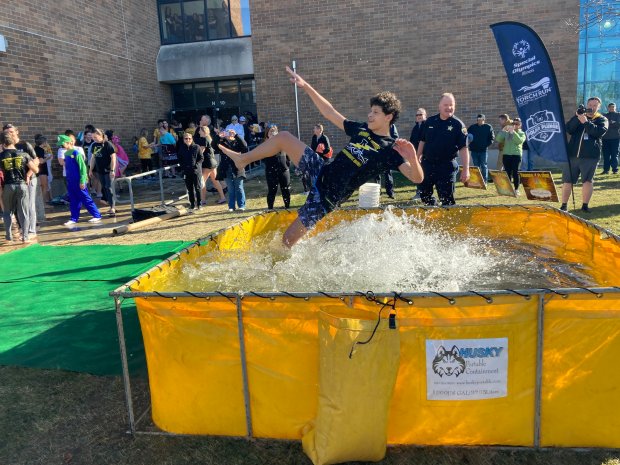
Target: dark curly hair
x: 389, y: 103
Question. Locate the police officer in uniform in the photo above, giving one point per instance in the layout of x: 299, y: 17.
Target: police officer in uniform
x: 442, y: 138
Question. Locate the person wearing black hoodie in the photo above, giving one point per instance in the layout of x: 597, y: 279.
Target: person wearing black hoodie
x: 277, y: 173
x: 586, y: 130
x: 227, y: 169
x: 482, y: 136
x: 190, y: 158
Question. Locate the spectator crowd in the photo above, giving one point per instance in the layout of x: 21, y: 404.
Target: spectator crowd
x: 93, y: 158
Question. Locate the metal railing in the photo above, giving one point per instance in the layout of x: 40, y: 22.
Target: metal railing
x: 129, y: 180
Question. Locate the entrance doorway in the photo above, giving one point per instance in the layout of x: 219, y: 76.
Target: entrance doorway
x: 218, y: 99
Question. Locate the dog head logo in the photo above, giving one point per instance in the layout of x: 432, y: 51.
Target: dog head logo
x: 539, y: 117
x: 448, y: 362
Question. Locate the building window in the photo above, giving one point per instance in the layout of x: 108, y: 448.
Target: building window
x: 183, y: 95
x: 219, y: 99
x: 197, y: 20
x: 599, y: 51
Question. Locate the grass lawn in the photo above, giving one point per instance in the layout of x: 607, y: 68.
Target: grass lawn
x: 59, y: 417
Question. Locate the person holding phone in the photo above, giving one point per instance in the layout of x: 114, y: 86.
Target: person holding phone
x: 586, y: 128
x: 512, y: 138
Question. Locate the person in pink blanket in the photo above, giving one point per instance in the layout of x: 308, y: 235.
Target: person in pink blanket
x: 122, y: 159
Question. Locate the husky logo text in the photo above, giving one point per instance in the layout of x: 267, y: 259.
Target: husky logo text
x: 448, y: 362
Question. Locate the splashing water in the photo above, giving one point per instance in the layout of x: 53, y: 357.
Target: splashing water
x: 379, y: 252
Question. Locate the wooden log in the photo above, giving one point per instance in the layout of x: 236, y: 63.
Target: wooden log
x: 148, y: 222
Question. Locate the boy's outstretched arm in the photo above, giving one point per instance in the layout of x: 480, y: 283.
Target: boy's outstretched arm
x: 411, y: 168
x: 322, y: 104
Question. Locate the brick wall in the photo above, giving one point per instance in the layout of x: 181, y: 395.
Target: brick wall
x: 73, y: 62
x: 351, y: 50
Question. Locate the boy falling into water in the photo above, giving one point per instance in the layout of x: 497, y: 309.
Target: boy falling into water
x: 371, y: 151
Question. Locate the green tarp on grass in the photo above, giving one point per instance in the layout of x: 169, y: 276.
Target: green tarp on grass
x: 55, y: 311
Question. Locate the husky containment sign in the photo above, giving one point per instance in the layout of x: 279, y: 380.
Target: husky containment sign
x: 466, y: 369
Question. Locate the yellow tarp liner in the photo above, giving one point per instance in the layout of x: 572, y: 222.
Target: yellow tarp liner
x: 358, y: 362
x: 468, y: 367
x: 581, y: 380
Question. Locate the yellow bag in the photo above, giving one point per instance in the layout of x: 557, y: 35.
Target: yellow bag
x: 358, y: 363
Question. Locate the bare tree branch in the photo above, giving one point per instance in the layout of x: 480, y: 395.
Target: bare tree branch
x: 601, y: 13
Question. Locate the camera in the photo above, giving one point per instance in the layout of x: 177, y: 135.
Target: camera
x: 581, y: 110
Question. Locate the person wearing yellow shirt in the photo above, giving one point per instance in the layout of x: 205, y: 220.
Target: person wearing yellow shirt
x: 157, y: 132
x: 145, y: 152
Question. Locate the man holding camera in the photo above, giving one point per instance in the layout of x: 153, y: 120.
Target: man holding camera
x: 611, y: 140
x: 586, y: 129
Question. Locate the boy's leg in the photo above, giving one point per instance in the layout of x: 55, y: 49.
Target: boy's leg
x: 88, y: 203
x: 196, y: 176
x: 23, y: 215
x: 425, y: 188
x: 446, y: 179
x: 570, y: 174
x: 285, y: 188
x: 230, y: 181
x: 32, y: 206
x: 240, y: 192
x: 281, y: 142
x: 7, y: 200
x: 75, y: 200
x: 389, y: 183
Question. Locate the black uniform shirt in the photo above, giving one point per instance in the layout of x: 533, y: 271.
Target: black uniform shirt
x: 442, y: 138
x: 365, y: 156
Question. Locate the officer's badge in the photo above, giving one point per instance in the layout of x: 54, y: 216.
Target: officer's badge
x: 450, y: 128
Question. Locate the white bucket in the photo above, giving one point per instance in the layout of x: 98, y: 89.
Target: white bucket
x: 369, y: 194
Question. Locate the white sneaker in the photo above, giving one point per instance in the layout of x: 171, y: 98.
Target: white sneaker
x: 70, y: 223
x: 231, y: 209
x: 95, y: 220
x: 242, y: 209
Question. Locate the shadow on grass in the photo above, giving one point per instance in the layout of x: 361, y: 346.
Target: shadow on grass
x: 86, y: 342
x: 596, y: 212
x: 81, y: 273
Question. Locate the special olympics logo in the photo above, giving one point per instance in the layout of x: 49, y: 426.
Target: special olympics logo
x: 520, y: 49
x: 542, y: 126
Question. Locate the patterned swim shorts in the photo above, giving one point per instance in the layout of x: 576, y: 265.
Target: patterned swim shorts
x: 313, y: 210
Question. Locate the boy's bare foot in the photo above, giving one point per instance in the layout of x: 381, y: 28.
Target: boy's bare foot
x: 234, y: 156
